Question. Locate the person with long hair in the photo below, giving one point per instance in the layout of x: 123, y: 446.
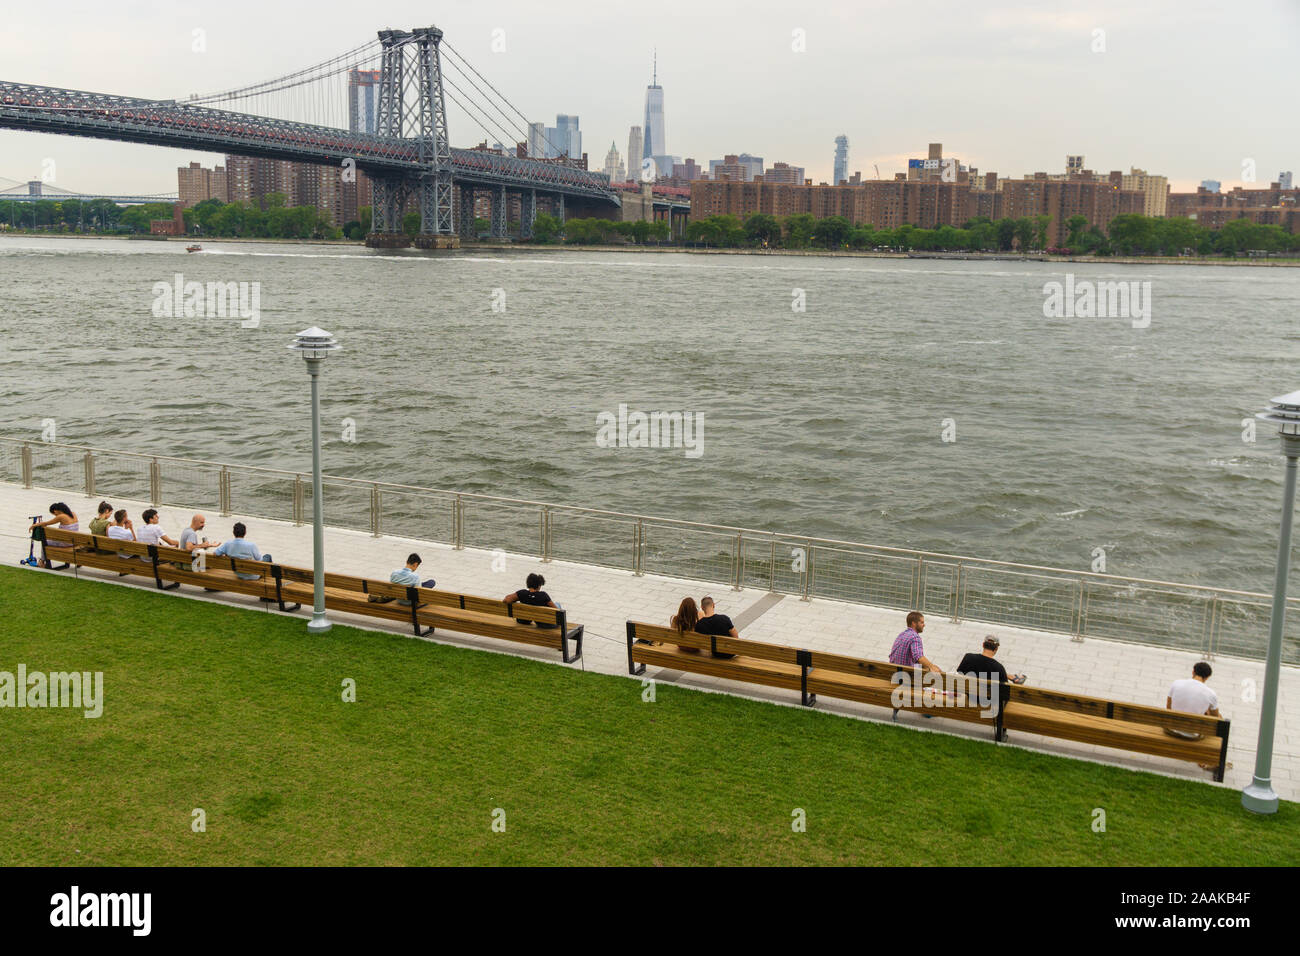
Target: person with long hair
x: 65, y: 518
x: 683, y: 622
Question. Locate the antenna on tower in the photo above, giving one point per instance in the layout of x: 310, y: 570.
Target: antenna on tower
x: 654, y: 70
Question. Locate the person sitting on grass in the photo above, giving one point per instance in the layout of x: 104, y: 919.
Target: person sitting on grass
x: 103, y: 518
x: 65, y: 518
x: 1192, y: 695
x: 715, y: 625
x: 532, y: 595
x: 152, y: 532
x: 684, y: 621
x: 241, y: 547
x: 408, y: 576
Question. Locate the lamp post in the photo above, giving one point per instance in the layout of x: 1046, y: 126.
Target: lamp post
x: 315, y: 344
x: 1259, y: 796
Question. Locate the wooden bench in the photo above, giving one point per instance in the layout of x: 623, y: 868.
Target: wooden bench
x: 426, y: 609
x: 290, y: 587
x: 1107, y: 723
x: 1131, y: 727
x: 168, y: 567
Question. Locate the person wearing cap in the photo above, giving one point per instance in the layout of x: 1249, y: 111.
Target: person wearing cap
x: 984, y: 666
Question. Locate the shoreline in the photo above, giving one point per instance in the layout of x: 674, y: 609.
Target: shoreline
x: 823, y: 253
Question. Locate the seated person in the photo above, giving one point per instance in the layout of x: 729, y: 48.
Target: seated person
x: 983, y: 666
x: 532, y: 595
x: 190, y: 540
x: 241, y: 547
x: 121, y: 529
x: 408, y: 576
x: 152, y: 532
x: 103, y: 518
x: 1192, y: 695
x: 714, y: 624
x: 66, y: 519
x: 684, y: 620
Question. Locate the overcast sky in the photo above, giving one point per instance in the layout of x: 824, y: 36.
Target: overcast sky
x: 1191, y: 89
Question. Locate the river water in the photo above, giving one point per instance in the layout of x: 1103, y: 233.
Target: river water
x: 915, y: 403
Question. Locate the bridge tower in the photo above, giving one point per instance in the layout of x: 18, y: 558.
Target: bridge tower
x: 412, y: 106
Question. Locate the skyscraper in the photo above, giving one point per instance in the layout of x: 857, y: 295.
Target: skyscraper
x: 654, y: 144
x: 363, y: 100
x: 1284, y: 180
x: 614, y: 165
x: 567, y: 139
x: 841, y: 159
x: 634, y: 153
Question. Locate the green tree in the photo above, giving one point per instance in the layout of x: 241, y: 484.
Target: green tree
x: 545, y: 227
x: 832, y: 232
x: 1075, y: 224
x: 763, y: 229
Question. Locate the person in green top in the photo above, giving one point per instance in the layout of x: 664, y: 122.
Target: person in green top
x: 99, y: 523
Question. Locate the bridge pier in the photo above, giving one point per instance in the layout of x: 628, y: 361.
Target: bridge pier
x: 499, y: 212
x: 527, y: 213
x: 466, y: 223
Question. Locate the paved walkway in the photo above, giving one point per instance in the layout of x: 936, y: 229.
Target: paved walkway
x: 604, y: 599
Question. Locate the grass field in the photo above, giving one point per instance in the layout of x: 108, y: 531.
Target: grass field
x: 240, y: 713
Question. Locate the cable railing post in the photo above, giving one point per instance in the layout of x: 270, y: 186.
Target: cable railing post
x: 89, y: 460
x: 543, y: 526
x: 807, y: 572
x: 738, y: 562
x: 638, y: 547
x: 959, y: 596
x: 1086, y: 598
x: 771, y: 570
x: 155, y: 482
x: 1076, y: 611
x: 1212, y: 631
x: 223, y: 491
x: 458, y: 523
x: 297, y: 501
x: 27, y: 465
x: 376, y: 511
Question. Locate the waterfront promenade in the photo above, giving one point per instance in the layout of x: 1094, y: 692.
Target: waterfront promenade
x: 604, y: 599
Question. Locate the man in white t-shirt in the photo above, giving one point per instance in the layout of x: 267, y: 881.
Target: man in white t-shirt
x: 1192, y: 695
x: 152, y: 532
x: 121, y: 530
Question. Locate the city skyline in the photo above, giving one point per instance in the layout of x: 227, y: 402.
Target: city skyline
x: 1102, y: 99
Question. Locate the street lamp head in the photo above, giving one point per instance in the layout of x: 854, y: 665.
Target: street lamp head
x: 314, y: 343
x: 1285, y: 414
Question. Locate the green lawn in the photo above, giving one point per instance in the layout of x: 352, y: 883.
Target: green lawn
x: 239, y: 712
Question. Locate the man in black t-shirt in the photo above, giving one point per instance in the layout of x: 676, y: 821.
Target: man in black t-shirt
x: 715, y: 625
x: 533, y: 595
x: 985, y: 667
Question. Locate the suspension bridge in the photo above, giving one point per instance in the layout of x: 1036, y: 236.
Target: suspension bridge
x: 396, y: 133
x: 35, y: 190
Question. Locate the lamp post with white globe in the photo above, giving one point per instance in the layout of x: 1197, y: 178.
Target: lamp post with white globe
x: 1259, y: 796
x: 315, y: 344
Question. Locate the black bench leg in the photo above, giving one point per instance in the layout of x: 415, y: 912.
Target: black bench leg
x: 633, y: 668
x: 1223, y: 762
x: 805, y: 665
x: 576, y: 637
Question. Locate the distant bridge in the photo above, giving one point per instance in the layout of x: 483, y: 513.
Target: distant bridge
x: 37, y: 190
x: 408, y: 154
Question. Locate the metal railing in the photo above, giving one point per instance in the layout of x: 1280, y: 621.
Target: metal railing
x: 1082, y: 604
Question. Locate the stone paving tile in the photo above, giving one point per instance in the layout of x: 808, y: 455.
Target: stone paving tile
x: 605, y: 599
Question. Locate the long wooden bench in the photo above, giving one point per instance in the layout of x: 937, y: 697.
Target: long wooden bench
x: 1048, y: 713
x: 290, y: 587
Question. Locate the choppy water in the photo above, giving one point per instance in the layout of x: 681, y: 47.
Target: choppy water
x: 1071, y: 434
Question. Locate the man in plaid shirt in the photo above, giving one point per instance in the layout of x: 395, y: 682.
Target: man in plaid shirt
x: 907, y: 650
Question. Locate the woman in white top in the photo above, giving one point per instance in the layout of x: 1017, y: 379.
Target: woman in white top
x: 66, y: 519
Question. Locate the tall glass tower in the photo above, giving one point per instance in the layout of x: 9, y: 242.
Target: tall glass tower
x: 653, y: 142
x: 841, y: 159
